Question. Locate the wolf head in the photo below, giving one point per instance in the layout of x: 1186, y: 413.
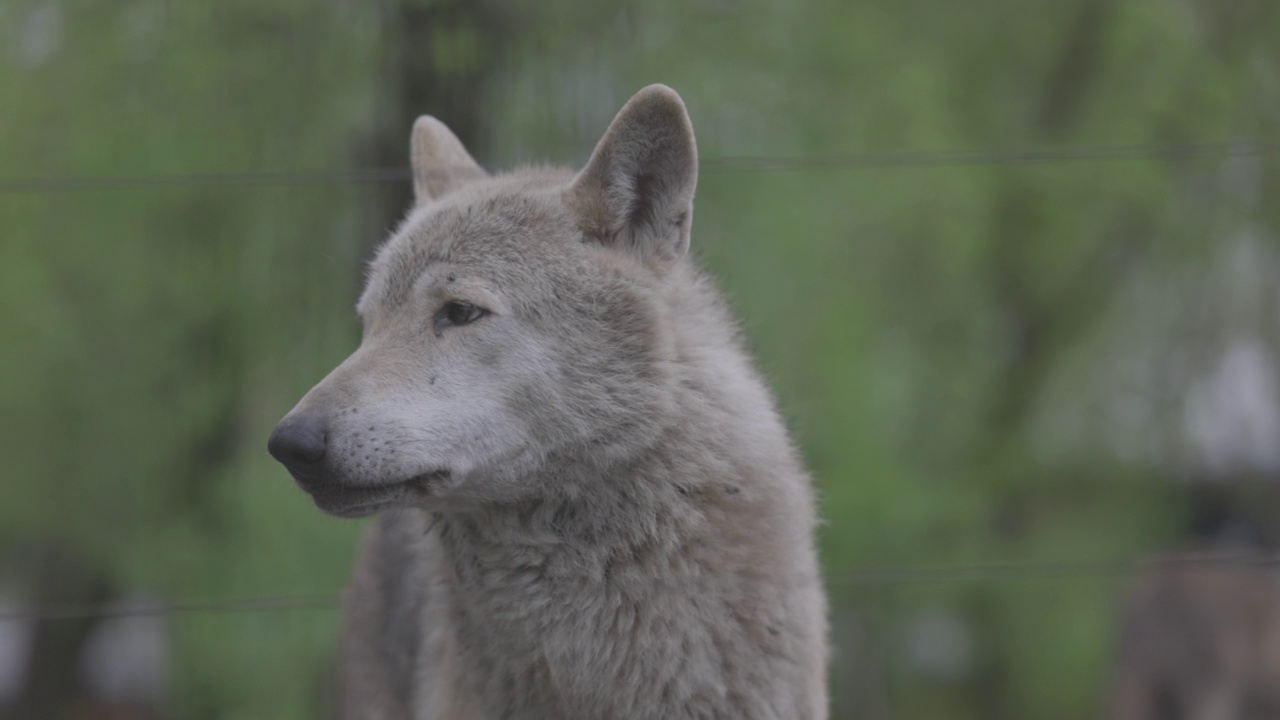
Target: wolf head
x: 513, y: 324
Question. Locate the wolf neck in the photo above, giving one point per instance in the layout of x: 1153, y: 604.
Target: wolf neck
x: 586, y: 531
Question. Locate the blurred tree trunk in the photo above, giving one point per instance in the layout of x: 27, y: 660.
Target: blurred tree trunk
x: 1036, y: 326
x: 58, y: 576
x: 437, y: 59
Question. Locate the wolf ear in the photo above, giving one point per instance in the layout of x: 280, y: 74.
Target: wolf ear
x: 440, y: 163
x: 636, y: 192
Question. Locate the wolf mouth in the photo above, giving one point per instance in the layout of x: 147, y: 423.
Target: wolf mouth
x: 363, y: 500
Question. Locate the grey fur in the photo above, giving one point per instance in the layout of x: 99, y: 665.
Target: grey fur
x: 588, y: 506
x: 1200, y: 641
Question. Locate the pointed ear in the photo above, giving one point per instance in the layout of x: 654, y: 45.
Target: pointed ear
x: 636, y: 192
x: 440, y: 163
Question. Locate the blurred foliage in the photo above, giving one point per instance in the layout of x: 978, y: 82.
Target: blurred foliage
x: 943, y: 337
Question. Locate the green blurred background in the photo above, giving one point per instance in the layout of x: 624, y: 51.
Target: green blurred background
x: 1010, y: 267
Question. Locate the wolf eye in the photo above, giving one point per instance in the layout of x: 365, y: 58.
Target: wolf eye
x: 458, y: 313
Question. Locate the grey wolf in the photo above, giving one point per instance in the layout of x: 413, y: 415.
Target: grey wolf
x: 1200, y: 641
x: 587, y: 505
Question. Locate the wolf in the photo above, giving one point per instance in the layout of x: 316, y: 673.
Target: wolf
x: 585, y: 502
x: 1199, y: 639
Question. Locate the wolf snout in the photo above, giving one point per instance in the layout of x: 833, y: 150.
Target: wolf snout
x: 298, y: 442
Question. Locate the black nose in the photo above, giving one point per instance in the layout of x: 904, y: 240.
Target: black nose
x: 298, y: 442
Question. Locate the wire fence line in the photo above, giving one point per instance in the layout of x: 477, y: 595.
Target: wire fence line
x: 914, y: 574
x: 76, y: 611
x: 855, y: 161
x: 873, y: 577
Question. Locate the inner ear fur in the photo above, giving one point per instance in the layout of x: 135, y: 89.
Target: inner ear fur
x: 440, y: 163
x: 636, y: 191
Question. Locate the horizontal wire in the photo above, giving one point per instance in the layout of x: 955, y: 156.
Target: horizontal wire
x: 854, y: 577
x: 363, y: 176
x: 901, y: 575
x: 866, y: 160
x: 73, y: 611
x: 1000, y: 156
